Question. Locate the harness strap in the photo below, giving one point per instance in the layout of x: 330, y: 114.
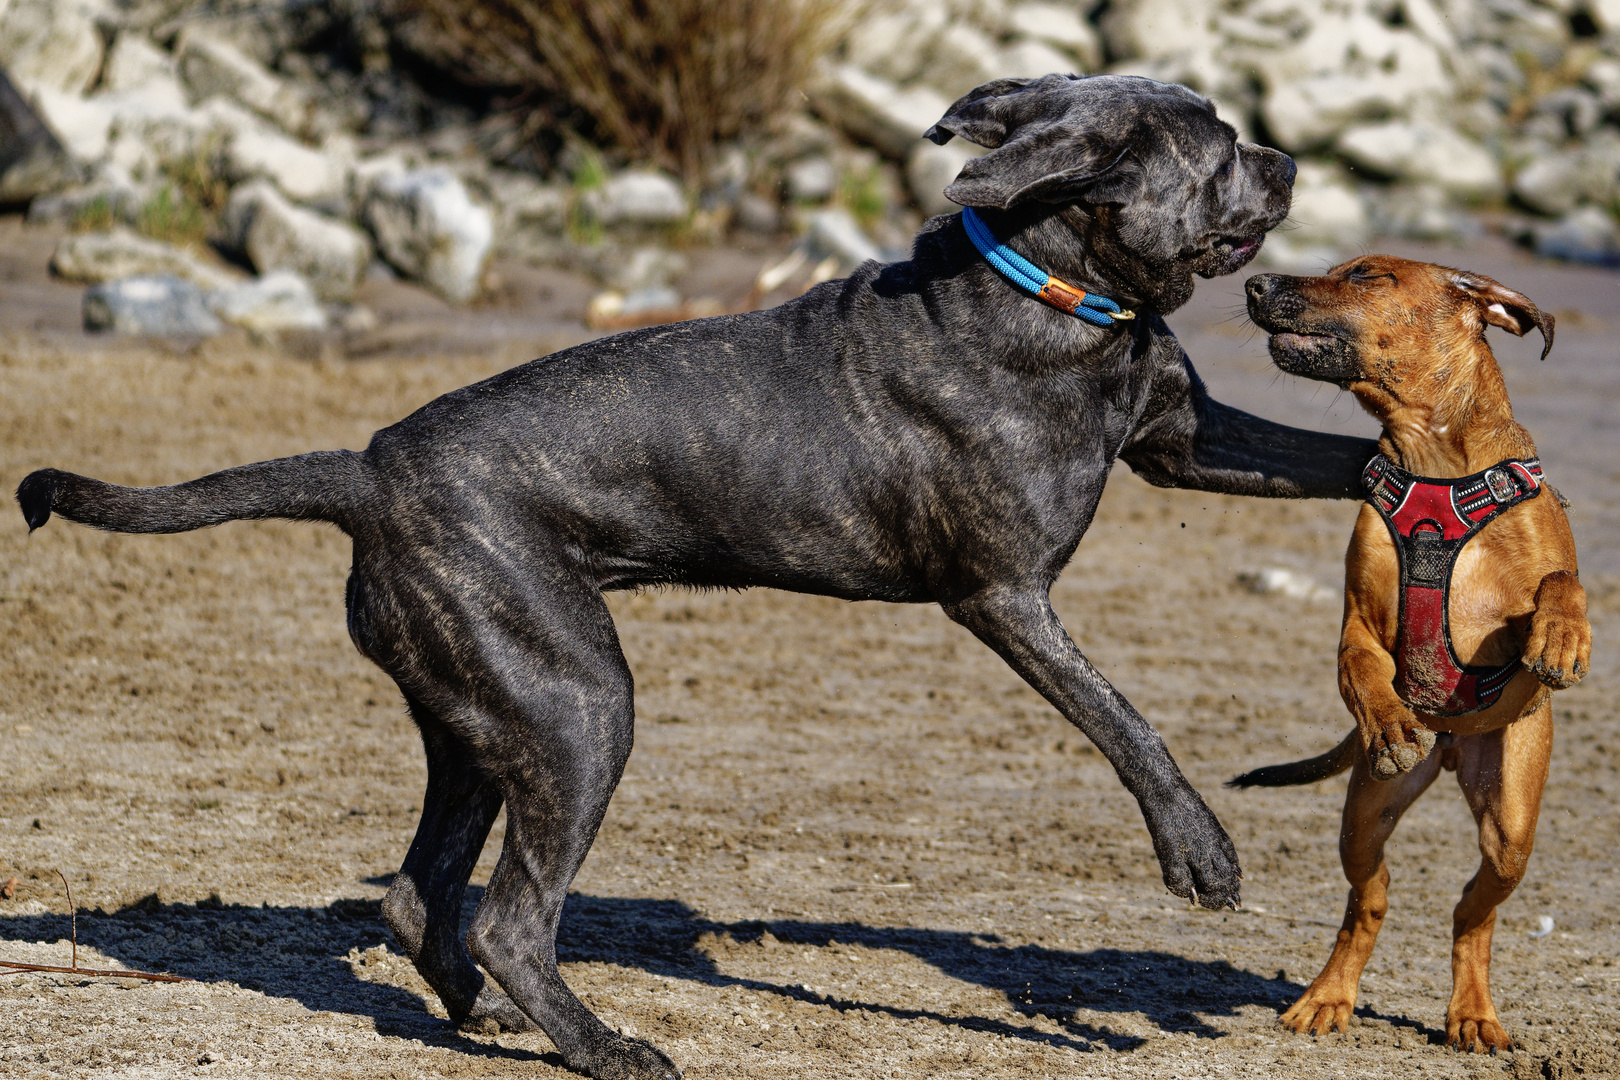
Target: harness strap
x: 1430, y: 520
x: 1094, y: 309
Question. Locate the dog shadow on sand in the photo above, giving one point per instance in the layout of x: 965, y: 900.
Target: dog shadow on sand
x: 302, y: 953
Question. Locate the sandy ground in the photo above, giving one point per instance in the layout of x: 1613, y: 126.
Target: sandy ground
x: 849, y: 843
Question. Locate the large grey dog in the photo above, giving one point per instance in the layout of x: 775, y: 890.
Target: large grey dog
x: 917, y: 432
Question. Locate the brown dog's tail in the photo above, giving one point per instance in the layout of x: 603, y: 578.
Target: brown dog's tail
x: 324, y: 486
x: 1332, y: 763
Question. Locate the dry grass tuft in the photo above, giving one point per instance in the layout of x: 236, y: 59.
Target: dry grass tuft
x: 666, y: 80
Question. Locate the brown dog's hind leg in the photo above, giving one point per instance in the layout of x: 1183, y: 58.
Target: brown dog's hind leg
x: 1372, y: 809
x: 1502, y: 774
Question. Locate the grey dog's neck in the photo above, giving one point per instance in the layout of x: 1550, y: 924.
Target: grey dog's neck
x: 1059, y: 241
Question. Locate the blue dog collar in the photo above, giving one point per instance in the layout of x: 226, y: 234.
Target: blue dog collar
x: 1098, y: 310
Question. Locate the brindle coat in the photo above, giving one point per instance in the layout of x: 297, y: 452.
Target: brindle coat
x: 918, y: 432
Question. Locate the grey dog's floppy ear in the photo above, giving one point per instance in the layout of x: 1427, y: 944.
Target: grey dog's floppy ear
x: 1501, y: 306
x: 1038, y: 151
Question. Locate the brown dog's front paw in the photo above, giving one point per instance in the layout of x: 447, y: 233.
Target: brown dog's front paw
x: 1559, y: 651
x: 1319, y: 1013
x: 1397, y: 748
x: 1477, y: 1036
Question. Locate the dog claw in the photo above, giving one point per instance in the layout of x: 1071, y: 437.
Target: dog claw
x: 1394, y: 758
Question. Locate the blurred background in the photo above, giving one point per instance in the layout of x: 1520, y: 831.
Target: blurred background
x: 349, y: 174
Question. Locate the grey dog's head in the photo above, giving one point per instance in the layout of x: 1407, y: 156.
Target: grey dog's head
x: 1157, y: 186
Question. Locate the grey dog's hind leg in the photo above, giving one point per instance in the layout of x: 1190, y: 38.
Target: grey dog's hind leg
x: 521, y: 666
x: 423, y: 906
x: 560, y: 706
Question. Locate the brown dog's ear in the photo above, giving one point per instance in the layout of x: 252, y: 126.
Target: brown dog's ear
x: 1501, y: 306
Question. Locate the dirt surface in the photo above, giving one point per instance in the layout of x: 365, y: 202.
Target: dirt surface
x: 849, y: 843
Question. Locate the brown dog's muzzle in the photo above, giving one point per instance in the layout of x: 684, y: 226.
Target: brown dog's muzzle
x: 1303, y: 340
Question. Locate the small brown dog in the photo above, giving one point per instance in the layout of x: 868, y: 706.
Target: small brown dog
x: 1462, y: 606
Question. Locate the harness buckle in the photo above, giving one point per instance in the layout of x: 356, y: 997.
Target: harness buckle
x: 1501, y: 484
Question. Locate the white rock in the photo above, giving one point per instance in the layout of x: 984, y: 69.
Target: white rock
x: 95, y: 257
x: 930, y: 169
x: 33, y: 161
x: 149, y: 307
x: 812, y: 179
x: 1585, y: 234
x: 1156, y: 28
x: 81, y: 123
x: 835, y: 233
x: 51, y: 43
x: 210, y: 67
x: 1281, y: 581
x: 1551, y: 182
x: 1060, y: 26
x: 960, y: 58
x: 275, y: 235
x: 428, y: 227
x: 280, y: 300
x: 876, y: 111
x: 1032, y: 59
x: 1347, y: 67
x: 1328, y: 219
x: 637, y: 197
x: 1405, y: 150
x: 303, y: 174
x: 648, y: 267
x: 109, y: 184
x: 893, y: 43
x: 132, y: 62
x: 522, y: 202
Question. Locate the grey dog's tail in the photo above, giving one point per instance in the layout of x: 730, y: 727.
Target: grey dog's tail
x: 1332, y: 763
x: 324, y: 486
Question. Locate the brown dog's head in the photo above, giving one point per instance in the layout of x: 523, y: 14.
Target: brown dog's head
x: 1384, y: 327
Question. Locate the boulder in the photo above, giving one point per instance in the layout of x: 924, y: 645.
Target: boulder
x: 133, y: 62
x: 280, y: 300
x: 429, y: 228
x: 876, y: 111
x: 1551, y: 182
x: 812, y: 179
x: 834, y: 233
x: 1586, y: 234
x: 895, y: 42
x: 1060, y: 26
x: 303, y: 174
x: 930, y: 169
x: 637, y: 197
x: 51, y: 43
x: 1328, y: 218
x: 1032, y: 59
x: 110, y: 185
x: 1348, y: 66
x: 80, y: 123
x: 1151, y: 29
x: 94, y: 257
x: 756, y: 214
x: 1403, y: 150
x: 276, y: 235
x: 211, y: 67
x: 960, y: 58
x: 164, y: 306
x: 32, y: 159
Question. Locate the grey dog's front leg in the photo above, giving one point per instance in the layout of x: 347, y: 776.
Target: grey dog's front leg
x: 1195, y: 854
x: 1187, y: 439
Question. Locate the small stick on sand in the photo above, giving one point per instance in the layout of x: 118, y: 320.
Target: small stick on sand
x: 76, y: 969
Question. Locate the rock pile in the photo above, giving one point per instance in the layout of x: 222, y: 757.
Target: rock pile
x: 1405, y: 112
x: 303, y: 150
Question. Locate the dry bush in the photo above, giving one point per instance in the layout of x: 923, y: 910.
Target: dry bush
x: 666, y: 80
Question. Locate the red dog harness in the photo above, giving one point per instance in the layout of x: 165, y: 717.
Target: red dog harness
x: 1430, y: 521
